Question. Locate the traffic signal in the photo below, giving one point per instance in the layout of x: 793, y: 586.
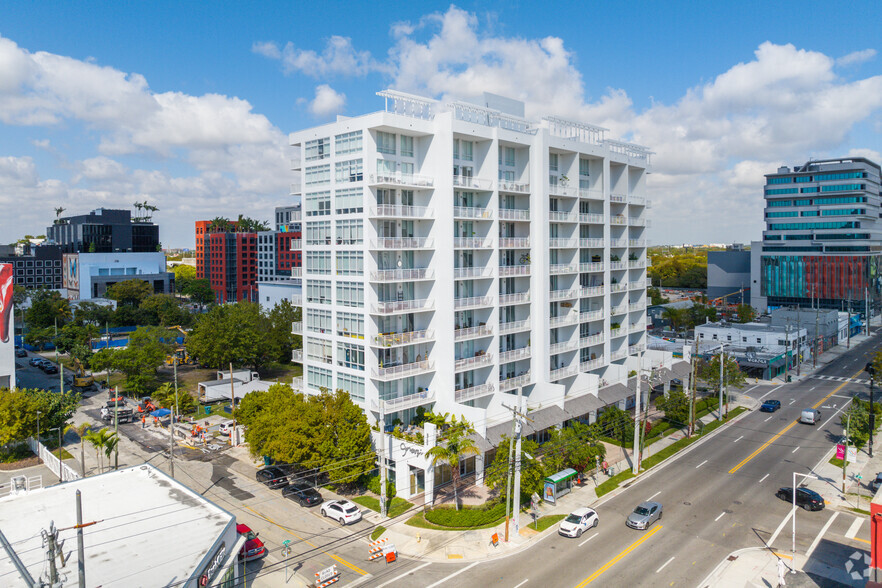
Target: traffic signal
x: 870, y: 369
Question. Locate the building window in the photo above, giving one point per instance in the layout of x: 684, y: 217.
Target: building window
x: 348, y: 143
x: 318, y: 174
x: 350, y: 294
x: 318, y: 233
x: 318, y: 292
x: 348, y: 171
x: 352, y: 385
x: 350, y: 263
x: 552, y: 162
x: 318, y: 262
x: 317, y: 149
x: 350, y: 324
x: 318, y: 204
x: 350, y: 355
x: 318, y: 321
x: 463, y: 150
x: 406, y: 146
x: 386, y: 143
x: 348, y: 201
x: 319, y: 378
x: 319, y: 350
x: 350, y: 232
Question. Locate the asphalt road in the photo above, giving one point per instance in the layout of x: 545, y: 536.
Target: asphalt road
x: 718, y: 496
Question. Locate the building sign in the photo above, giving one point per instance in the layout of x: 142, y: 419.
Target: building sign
x: 6, y: 289
x: 213, y: 565
x: 70, y: 278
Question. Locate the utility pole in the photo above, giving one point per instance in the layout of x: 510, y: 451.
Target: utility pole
x: 693, y: 386
x: 171, y: 445
x: 798, y: 340
x: 516, y: 506
x: 13, y: 557
x: 867, y: 327
x: 786, y: 350
x: 382, y: 461
x: 50, y: 538
x: 232, y: 400
x: 817, y: 335
x: 848, y: 341
x: 722, y: 361
x: 845, y: 457
x: 116, y: 428
x: 872, y: 412
x: 511, y: 446
x: 81, y: 551
x: 635, y: 467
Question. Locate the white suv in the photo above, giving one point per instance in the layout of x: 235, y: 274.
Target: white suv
x: 577, y: 522
x: 342, y: 511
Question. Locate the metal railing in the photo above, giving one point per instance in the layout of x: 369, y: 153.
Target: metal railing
x: 563, y: 294
x: 402, y: 275
x: 589, y: 194
x: 564, y: 372
x: 593, y: 242
x: 515, y: 382
x: 637, y: 222
x: 618, y: 242
x: 473, y: 362
x: 563, y: 268
x: 636, y: 263
x: 472, y: 242
x: 472, y: 272
x: 472, y: 182
x: 297, y: 383
x: 514, y: 326
x: 397, y: 306
x: 406, y: 338
x: 591, y: 291
x: 402, y: 180
x: 636, y: 327
x: 622, y: 198
x: 515, y: 354
x: 620, y: 287
x: 514, y: 242
x: 594, y: 266
x: 472, y: 332
x: 637, y: 242
x: 618, y: 220
x: 409, y: 401
x: 621, y: 354
x: 515, y: 214
x: 590, y: 315
x: 400, y: 211
x: 472, y: 212
x: 591, y: 339
x: 296, y: 272
x: 516, y: 298
x: 472, y: 302
x: 634, y: 349
x: 570, y: 318
x: 563, y: 217
x: 403, y: 370
x: 522, y: 187
x: 297, y: 355
x: 563, y: 243
x: 563, y: 347
x: 620, y: 309
x: 617, y: 265
x: 591, y: 218
x: 402, y: 243
x: 467, y: 394
x: 591, y: 364
x: 296, y: 245
x: 561, y: 190
x: 514, y: 270
x: 297, y: 328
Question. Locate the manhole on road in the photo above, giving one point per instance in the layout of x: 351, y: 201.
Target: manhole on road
x: 727, y: 511
x: 738, y: 502
x: 687, y: 503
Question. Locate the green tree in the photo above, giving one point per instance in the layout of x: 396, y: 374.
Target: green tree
x: 453, y: 445
x: 233, y: 333
x: 675, y: 406
x: 676, y: 316
x: 47, y: 307
x: 72, y: 335
x: 19, y: 408
x: 746, y: 313
x: 184, y: 275
x: 39, y: 337
x: 164, y: 310
x: 280, y: 337
x: 183, y: 403
x: 656, y: 297
x: 139, y: 361
x: 92, y: 313
x: 709, y: 372
x: 103, y: 441
x: 200, y: 292
x: 616, y: 424
x: 532, y: 470
x: 576, y: 446
x: 347, y: 436
x: 131, y: 292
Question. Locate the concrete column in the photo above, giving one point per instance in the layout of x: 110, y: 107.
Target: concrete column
x: 431, y: 438
x: 479, y: 469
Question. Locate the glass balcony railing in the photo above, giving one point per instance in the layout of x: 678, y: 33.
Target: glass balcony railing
x: 517, y: 298
x: 461, y: 273
x: 402, y: 275
x: 514, y: 382
x: 404, y: 370
x: 401, y: 211
x: 399, y: 306
x: 394, y: 243
x: 514, y: 242
x: 514, y: 326
x: 514, y: 214
x: 472, y: 302
x: 398, y: 179
x: 472, y: 182
x: 479, y: 391
x: 477, y: 361
x: 474, y: 212
x: 472, y: 332
x: 406, y: 338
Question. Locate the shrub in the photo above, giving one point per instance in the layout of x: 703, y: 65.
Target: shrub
x: 372, y: 483
x: 465, y: 517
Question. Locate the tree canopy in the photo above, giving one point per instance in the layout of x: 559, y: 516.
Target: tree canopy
x: 139, y: 361
x: 131, y: 292
x: 19, y: 407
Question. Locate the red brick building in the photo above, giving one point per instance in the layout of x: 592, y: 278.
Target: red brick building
x: 228, y: 260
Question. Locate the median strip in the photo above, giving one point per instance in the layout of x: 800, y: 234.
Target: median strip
x: 614, y: 560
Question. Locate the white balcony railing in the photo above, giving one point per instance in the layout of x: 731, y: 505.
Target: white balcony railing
x: 401, y: 211
x: 636, y: 327
x: 620, y: 354
x: 563, y: 268
x: 561, y: 190
x: 472, y: 332
x: 468, y: 363
x: 407, y: 338
x: 635, y: 349
x: 514, y: 326
x: 297, y: 328
x: 402, y: 275
x: 296, y: 300
x: 636, y: 263
x: 397, y: 306
x: 514, y: 242
x: 618, y: 242
x: 636, y: 306
x: 387, y: 243
x: 563, y: 243
x: 590, y: 194
x: 522, y: 187
x: 591, y: 365
x: 596, y: 266
x: 558, y: 216
x: 591, y: 218
x: 591, y: 340
x: 571, y: 318
x: 649, y: 282
x: 620, y: 309
x: 515, y: 381
x: 636, y: 200
x: 637, y: 222
x: 563, y: 294
x: 563, y: 347
x: 297, y: 355
x: 514, y: 270
x: 398, y: 179
x: 617, y: 265
x: 515, y: 354
x: 620, y: 198
x: 515, y: 214
x: 472, y: 182
x: 296, y: 272
x: 638, y: 284
x: 409, y: 401
x: 637, y: 242
x: 297, y: 383
x: 618, y: 219
x: 467, y: 394
x: 617, y: 332
x: 620, y: 287
x: 516, y: 298
x: 472, y: 272
x: 472, y: 212
x: 472, y: 302
x: 591, y: 291
x: 564, y: 372
x: 472, y: 243
x: 593, y: 242
x: 403, y: 370
x: 590, y: 315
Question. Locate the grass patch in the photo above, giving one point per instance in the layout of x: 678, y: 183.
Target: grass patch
x: 613, y: 483
x: 836, y: 461
x: 397, y: 506
x: 544, y: 522
x: 859, y: 511
x: 419, y: 519
x: 378, y: 530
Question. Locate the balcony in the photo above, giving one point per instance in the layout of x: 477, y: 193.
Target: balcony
x: 514, y: 242
x: 472, y: 212
x: 401, y: 211
x: 296, y: 300
x: 590, y: 315
x: 514, y: 326
x: 472, y: 272
x: 638, y: 284
x: 563, y: 347
x: 295, y: 190
x: 297, y: 328
x: 561, y: 190
x: 590, y: 194
x: 618, y: 219
x: 563, y: 268
x: 593, y: 364
x: 620, y: 309
x: 515, y: 355
x: 473, y: 302
x: 472, y: 182
x: 636, y: 263
x: 407, y: 338
x: 479, y: 391
x: 637, y: 222
x: 296, y: 245
x: 633, y: 306
x: 472, y: 333
x: 618, y: 242
x: 296, y: 272
x: 590, y: 291
x: 395, y: 243
x: 403, y: 180
x: 617, y: 265
x: 563, y: 243
x: 591, y: 218
x: 515, y: 381
x: 620, y: 287
x: 416, y: 368
x: 636, y: 200
x: 594, y: 339
x: 564, y: 372
x: 637, y: 242
x: 596, y: 266
x: 617, y: 332
x: 649, y: 282
x: 402, y: 275
x: 297, y: 383
x: 514, y: 270
x: 636, y: 327
x: 570, y: 318
x: 297, y: 355
x: 518, y: 187
x: 516, y: 298
x: 635, y: 349
x: 469, y: 363
x: 514, y: 214
x: 472, y: 243
x: 563, y: 294
x: 399, y: 306
x: 558, y: 216
x: 620, y: 354
x: 594, y: 242
x: 620, y: 198
x: 408, y: 401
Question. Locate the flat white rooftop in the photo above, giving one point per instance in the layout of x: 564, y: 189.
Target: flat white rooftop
x: 151, y: 529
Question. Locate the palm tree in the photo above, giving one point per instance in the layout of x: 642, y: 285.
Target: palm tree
x: 59, y: 210
x: 456, y: 445
x: 81, y: 431
x: 104, y: 442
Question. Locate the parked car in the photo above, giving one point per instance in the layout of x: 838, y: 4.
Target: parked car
x: 303, y: 493
x: 577, y: 522
x: 273, y: 477
x: 49, y: 368
x: 342, y: 511
x: 807, y: 499
x: 810, y: 416
x: 225, y: 428
x: 35, y: 361
x: 21, y: 352
x: 644, y: 515
x: 253, y: 548
x: 770, y: 406
x: 877, y: 482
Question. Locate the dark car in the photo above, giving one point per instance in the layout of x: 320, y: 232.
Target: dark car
x: 273, y: 477
x: 877, y: 482
x: 303, y: 493
x: 807, y: 499
x: 48, y: 368
x: 21, y: 353
x: 770, y: 406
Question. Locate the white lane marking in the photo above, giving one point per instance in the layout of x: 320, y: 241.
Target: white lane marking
x: 769, y: 392
x: 738, y: 439
x: 823, y: 532
x: 792, y: 401
x: 588, y: 539
x: 853, y: 529
x: 778, y: 530
x: 812, y: 388
x: 395, y: 579
x: 701, y: 464
x: 522, y: 583
x: 653, y: 496
x: 751, y: 388
x: 664, y: 564
x: 763, y: 478
x: 795, y: 449
x: 722, y: 514
x: 767, y: 420
x: 454, y: 574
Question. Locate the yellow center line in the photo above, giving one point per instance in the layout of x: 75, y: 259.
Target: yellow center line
x: 788, y: 427
x: 861, y: 540
x: 331, y: 555
x: 613, y: 561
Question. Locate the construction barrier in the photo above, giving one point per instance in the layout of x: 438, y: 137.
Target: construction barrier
x: 327, y: 576
x: 390, y: 553
x: 494, y: 539
x: 375, y: 549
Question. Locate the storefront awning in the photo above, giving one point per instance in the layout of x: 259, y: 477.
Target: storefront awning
x: 681, y: 369
x: 562, y: 476
x: 582, y: 405
x: 550, y: 416
x: 613, y: 394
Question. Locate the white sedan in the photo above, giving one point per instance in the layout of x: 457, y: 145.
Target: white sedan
x: 577, y: 522
x: 342, y: 511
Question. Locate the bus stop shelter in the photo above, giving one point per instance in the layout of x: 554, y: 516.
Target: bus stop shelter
x: 558, y: 485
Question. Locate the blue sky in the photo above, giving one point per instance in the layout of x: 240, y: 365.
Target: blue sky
x: 187, y: 105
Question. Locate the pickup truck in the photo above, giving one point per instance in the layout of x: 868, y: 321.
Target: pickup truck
x: 109, y: 413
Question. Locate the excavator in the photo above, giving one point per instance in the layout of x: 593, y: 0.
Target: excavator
x: 81, y: 380
x: 180, y: 353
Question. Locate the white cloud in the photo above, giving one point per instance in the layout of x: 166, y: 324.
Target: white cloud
x: 267, y: 48
x: 339, y: 57
x: 856, y: 57
x: 327, y: 101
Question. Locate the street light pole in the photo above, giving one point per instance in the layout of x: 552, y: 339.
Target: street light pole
x: 722, y: 361
x: 793, y: 533
x: 872, y: 414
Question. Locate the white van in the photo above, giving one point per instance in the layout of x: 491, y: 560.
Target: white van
x: 225, y: 428
x: 810, y: 416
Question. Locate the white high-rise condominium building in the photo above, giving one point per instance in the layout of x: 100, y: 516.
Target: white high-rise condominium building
x: 453, y: 253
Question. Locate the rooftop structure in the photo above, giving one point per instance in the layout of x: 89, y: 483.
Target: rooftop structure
x: 103, y: 231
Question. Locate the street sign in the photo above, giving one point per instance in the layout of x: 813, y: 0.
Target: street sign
x: 327, y: 573
x: 852, y: 454
x: 858, y: 477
